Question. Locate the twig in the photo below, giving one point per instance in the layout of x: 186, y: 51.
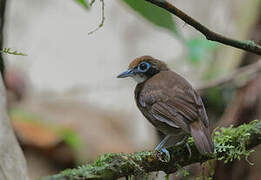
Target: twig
x: 230, y: 143
x: 237, y: 78
x: 210, y: 35
x: 91, y: 3
x: 8, y: 51
x: 103, y: 17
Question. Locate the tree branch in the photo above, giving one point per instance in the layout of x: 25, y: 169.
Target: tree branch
x: 230, y: 143
x: 210, y: 35
x: 237, y: 78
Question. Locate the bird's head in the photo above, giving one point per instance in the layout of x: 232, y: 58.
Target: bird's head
x: 143, y: 68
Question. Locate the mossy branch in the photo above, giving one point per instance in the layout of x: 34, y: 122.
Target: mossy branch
x: 230, y: 143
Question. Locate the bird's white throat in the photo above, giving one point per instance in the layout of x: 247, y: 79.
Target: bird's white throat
x: 139, y: 78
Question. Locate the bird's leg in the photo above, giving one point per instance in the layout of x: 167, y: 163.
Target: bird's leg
x: 164, y: 150
x: 184, y: 141
x: 189, y: 150
x: 162, y: 143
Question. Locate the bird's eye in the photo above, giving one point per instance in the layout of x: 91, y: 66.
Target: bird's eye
x: 143, y: 67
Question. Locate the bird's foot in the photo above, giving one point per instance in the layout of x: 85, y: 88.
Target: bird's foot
x: 184, y: 142
x: 189, y: 150
x: 163, y: 155
x: 162, y: 143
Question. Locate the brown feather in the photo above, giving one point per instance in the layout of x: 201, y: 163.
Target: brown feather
x: 201, y: 137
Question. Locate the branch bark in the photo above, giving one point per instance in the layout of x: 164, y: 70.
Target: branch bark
x: 230, y: 143
x: 249, y: 46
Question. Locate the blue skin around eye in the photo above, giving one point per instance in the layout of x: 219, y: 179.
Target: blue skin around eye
x: 147, y: 67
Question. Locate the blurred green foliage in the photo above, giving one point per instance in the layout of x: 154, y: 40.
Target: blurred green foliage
x: 153, y: 14
x: 216, y: 102
x: 84, y: 3
x: 200, y: 49
x: 69, y: 136
x: 19, y: 114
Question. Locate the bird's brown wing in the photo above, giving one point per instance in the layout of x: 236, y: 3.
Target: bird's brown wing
x: 175, y: 106
x: 169, y: 98
x: 201, y: 109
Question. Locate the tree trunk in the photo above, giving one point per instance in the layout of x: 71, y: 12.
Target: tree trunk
x: 13, y: 165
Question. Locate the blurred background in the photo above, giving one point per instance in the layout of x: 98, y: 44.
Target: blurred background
x: 65, y: 103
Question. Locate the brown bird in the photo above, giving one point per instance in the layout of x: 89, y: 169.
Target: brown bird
x: 170, y: 103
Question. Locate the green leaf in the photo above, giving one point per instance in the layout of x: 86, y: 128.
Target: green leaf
x: 200, y: 49
x: 153, y: 14
x: 83, y: 3
x: 71, y: 138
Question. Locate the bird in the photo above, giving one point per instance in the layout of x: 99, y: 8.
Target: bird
x: 170, y: 103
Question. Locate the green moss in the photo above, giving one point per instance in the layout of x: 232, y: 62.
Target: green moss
x: 101, y: 165
x: 167, y: 177
x: 104, y: 159
x: 250, y: 43
x: 143, y: 154
x: 231, y: 142
x: 182, y: 172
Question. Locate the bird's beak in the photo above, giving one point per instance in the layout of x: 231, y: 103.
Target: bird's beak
x: 125, y: 74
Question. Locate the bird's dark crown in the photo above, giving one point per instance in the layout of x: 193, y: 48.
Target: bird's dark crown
x: 154, y: 63
x: 147, y: 66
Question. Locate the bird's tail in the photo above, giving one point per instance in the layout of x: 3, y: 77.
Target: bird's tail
x: 201, y: 137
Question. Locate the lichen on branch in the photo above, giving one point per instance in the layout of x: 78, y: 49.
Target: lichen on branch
x: 230, y: 143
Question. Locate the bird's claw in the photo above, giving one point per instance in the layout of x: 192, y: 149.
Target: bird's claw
x: 184, y: 142
x: 189, y: 150
x: 163, y: 155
